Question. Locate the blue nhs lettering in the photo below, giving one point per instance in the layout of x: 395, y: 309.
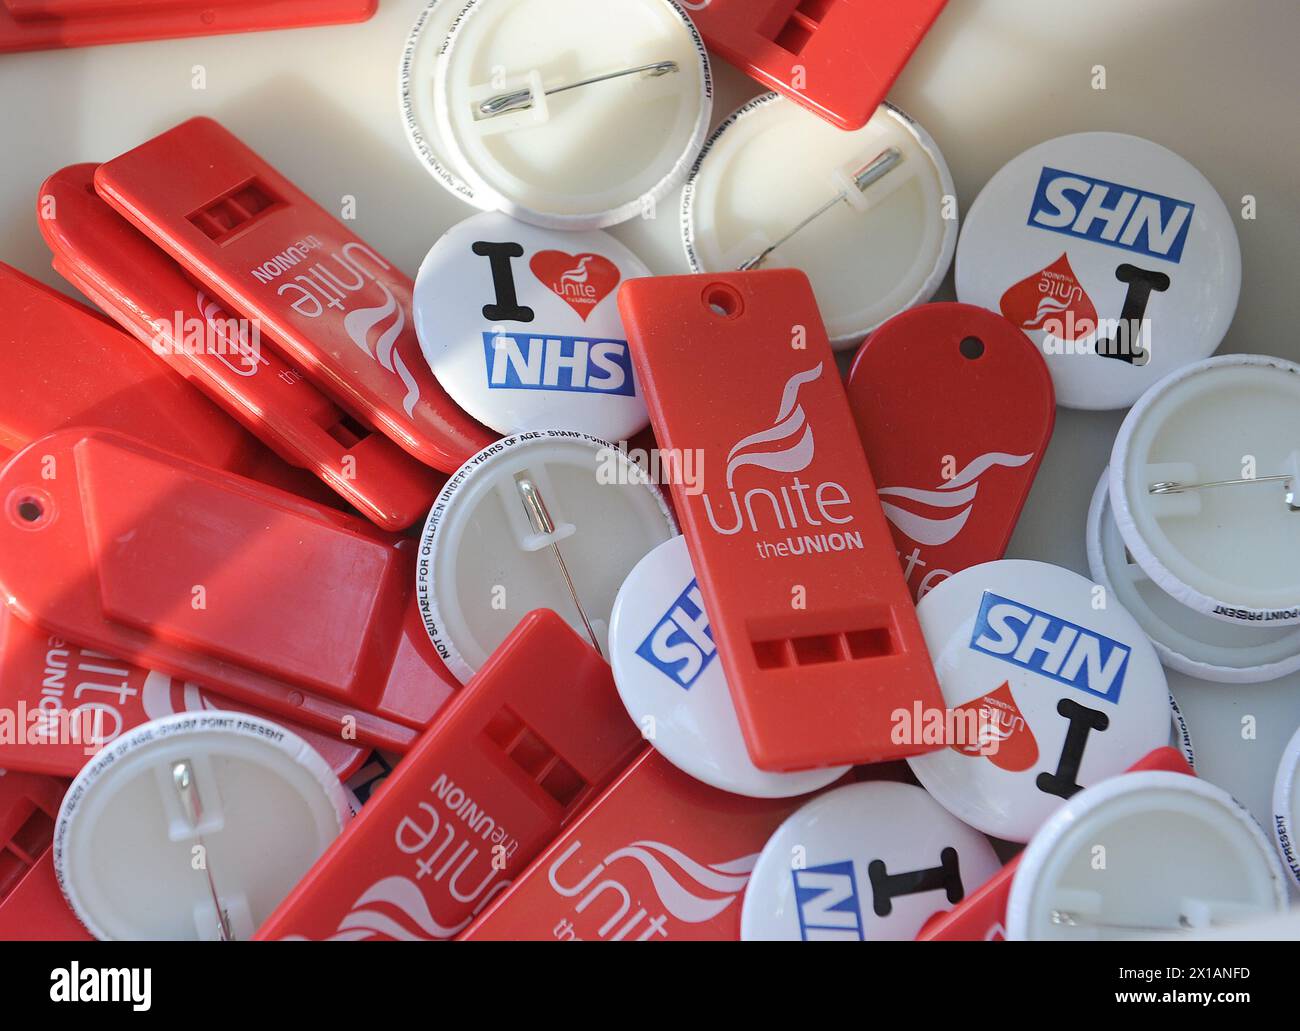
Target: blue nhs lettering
x: 827, y: 900
x: 681, y: 644
x: 527, y: 361
x: 1108, y: 213
x: 1051, y: 646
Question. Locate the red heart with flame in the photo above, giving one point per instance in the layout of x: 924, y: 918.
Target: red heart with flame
x: 581, y: 281
x: 1003, y: 733
x: 1054, y: 300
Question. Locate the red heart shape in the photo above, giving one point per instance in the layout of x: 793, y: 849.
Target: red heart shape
x: 1052, y: 299
x: 1004, y: 734
x: 582, y: 281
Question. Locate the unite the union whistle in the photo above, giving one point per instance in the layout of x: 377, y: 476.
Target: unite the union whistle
x: 525, y: 745
x: 300, y: 610
x: 817, y: 634
x: 223, y: 355
x: 339, y: 310
x: 837, y: 58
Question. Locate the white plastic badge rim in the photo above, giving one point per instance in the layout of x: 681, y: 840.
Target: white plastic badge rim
x: 199, y: 739
x: 417, y: 75
x: 1001, y: 250
x: 693, y: 725
x: 493, y: 185
x: 1286, y: 807
x: 1181, y: 733
x: 541, y: 325
x: 1077, y: 828
x: 1134, y: 480
x: 508, y: 591
x: 920, y: 281
x: 846, y: 844
x: 1263, y: 653
x: 1053, y: 750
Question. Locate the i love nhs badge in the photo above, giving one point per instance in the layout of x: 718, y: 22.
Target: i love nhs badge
x: 521, y: 327
x: 1049, y: 686
x: 1115, y: 255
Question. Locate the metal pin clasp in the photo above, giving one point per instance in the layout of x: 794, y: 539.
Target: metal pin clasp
x: 1173, y: 487
x: 183, y: 779
x: 872, y: 172
x: 539, y: 517
x: 522, y: 100
x: 1064, y: 918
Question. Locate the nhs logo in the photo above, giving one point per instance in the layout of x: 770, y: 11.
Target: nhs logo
x: 1046, y: 644
x: 526, y: 361
x: 681, y: 644
x: 827, y: 900
x: 1118, y: 216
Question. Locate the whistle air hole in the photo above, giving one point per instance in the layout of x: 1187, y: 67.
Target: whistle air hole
x: 724, y: 301
x: 972, y: 348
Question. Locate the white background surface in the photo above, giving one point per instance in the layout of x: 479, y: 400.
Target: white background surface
x: 1215, y: 80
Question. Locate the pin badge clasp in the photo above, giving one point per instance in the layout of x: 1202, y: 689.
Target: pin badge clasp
x: 1167, y: 487
x: 183, y: 779
x: 522, y: 100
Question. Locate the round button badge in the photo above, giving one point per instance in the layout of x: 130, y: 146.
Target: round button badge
x: 260, y: 803
x: 548, y: 520
x: 508, y: 114
x: 671, y: 680
x: 1116, y: 256
x: 1144, y: 855
x: 862, y: 213
x: 1050, y: 686
x: 1188, y: 641
x: 521, y: 327
x: 865, y: 862
x: 1286, y: 807
x: 1205, y: 488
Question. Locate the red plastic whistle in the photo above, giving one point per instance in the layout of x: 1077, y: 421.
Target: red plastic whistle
x: 982, y: 915
x: 816, y: 630
x: 271, y: 600
x: 69, y: 701
x: 955, y: 407
x: 32, y: 907
x: 338, y: 309
x: 526, y: 744
x: 659, y: 856
x: 838, y: 58
x: 50, y: 24
x: 149, y: 295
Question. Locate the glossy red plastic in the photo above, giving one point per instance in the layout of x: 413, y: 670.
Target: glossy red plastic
x: 279, y: 603
x: 659, y: 856
x: 955, y: 408
x: 527, y: 743
x: 838, y: 58
x: 151, y: 297
x: 337, y: 309
x: 982, y: 915
x: 50, y: 24
x: 32, y: 907
x: 816, y: 630
x: 68, y: 702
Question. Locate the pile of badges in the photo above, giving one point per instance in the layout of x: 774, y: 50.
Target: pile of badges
x: 543, y: 597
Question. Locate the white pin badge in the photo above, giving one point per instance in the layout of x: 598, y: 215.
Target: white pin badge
x: 548, y: 520
x: 1286, y: 807
x: 865, y: 862
x: 1144, y: 855
x: 1115, y: 255
x: 1188, y: 641
x: 1050, y: 686
x: 863, y: 213
x: 509, y: 114
x: 194, y: 827
x: 521, y: 327
x: 1205, y: 489
x: 671, y: 680
x: 1180, y: 734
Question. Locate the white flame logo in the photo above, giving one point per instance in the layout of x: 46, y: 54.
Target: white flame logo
x: 370, y: 916
x: 957, y: 492
x: 219, y: 320
x: 359, y: 324
x: 579, y: 273
x: 156, y: 696
x: 679, y: 887
x: 789, y: 433
x: 1046, y: 307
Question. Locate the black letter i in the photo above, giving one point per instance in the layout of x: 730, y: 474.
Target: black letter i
x: 507, y: 307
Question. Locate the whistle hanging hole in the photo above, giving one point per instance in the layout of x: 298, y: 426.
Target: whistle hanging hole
x: 972, y: 348
x: 29, y: 509
x: 723, y: 301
